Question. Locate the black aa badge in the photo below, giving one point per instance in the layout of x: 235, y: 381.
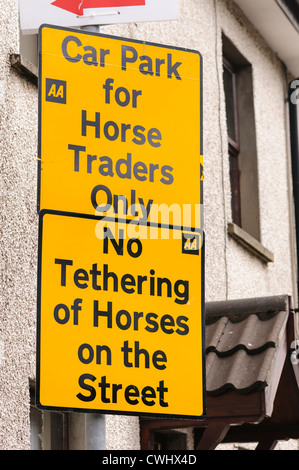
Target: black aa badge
x: 56, y: 90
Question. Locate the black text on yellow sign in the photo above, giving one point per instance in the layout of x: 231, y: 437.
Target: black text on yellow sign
x: 120, y: 120
x: 120, y: 318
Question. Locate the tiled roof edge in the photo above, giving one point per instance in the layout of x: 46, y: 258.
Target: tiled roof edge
x: 258, y: 305
x: 256, y: 386
x: 251, y: 352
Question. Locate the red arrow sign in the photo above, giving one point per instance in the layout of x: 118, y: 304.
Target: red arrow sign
x: 77, y: 6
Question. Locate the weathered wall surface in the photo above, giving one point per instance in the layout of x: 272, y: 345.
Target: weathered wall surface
x: 231, y: 271
x: 18, y: 154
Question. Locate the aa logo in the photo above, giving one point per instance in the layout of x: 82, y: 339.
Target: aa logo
x: 190, y: 243
x: 55, y: 90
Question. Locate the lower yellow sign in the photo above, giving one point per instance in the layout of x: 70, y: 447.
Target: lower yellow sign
x: 120, y: 317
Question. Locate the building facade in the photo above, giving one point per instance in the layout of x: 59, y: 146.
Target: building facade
x: 249, y: 211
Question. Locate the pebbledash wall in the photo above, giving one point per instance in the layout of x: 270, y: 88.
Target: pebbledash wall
x: 231, y: 271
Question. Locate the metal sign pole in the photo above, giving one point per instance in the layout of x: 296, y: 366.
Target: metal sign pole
x: 94, y: 425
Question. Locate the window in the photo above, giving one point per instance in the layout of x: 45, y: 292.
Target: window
x: 294, y: 141
x: 170, y: 440
x: 238, y: 89
x: 291, y: 10
x: 57, y: 430
x: 229, y: 80
x: 48, y: 430
x: 36, y: 424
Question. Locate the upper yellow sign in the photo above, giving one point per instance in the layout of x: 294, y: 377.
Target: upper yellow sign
x: 120, y: 127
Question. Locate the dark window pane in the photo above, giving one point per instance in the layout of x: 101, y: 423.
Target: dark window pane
x: 229, y: 90
x: 235, y: 187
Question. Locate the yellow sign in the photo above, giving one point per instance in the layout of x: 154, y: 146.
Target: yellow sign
x: 120, y: 127
x: 120, y: 317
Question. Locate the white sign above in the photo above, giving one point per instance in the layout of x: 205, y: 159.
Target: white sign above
x: 78, y: 13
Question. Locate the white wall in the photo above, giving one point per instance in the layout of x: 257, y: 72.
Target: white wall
x: 231, y: 271
x: 18, y: 262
